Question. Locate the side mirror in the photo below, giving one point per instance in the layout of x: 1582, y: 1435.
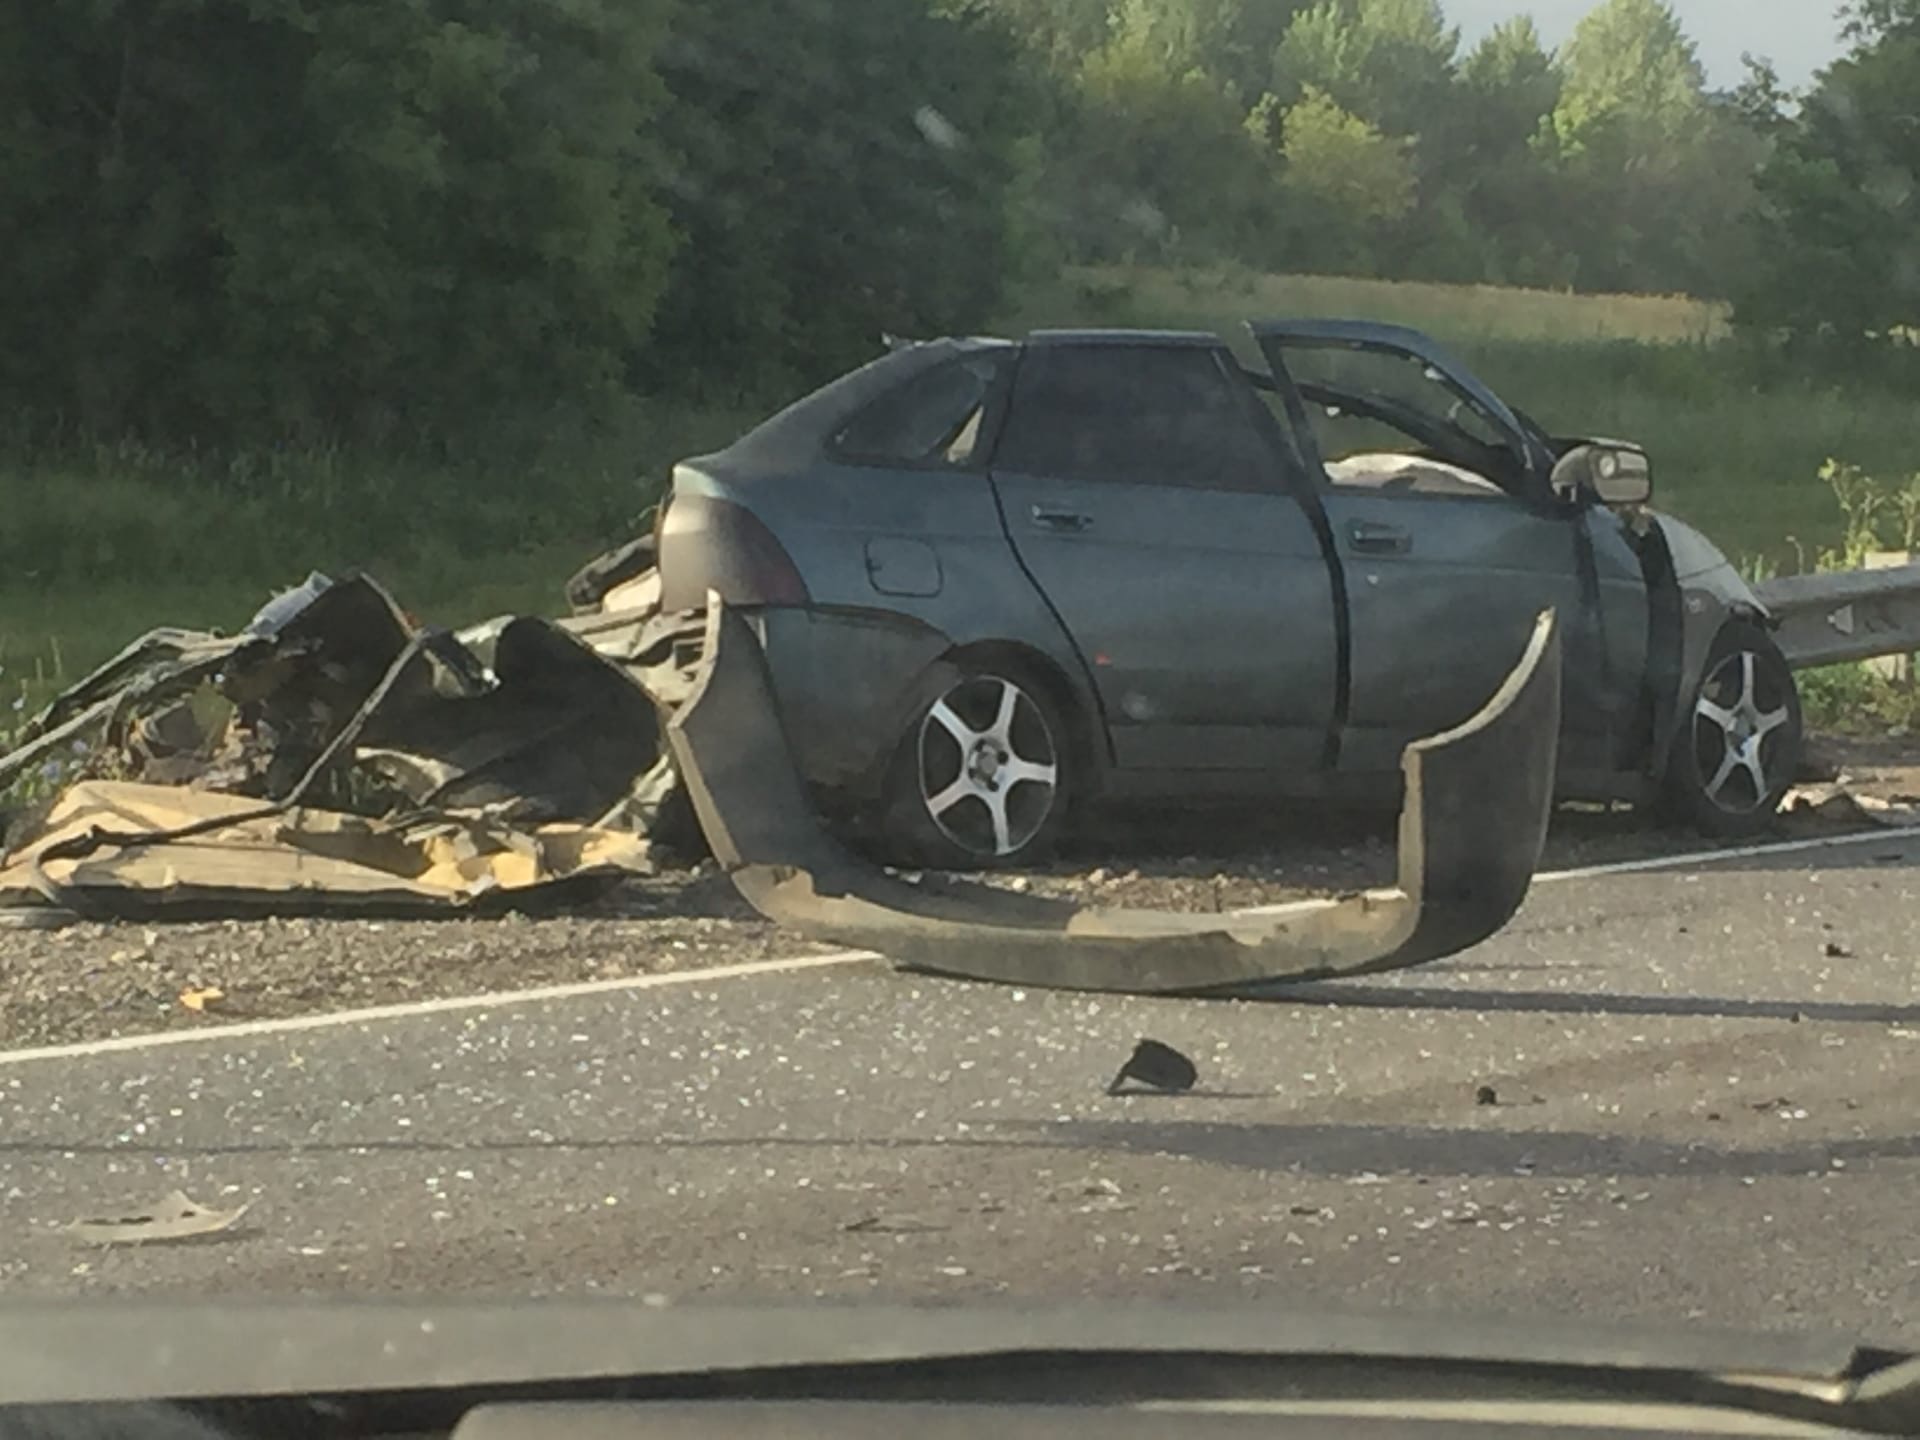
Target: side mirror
x: 1611, y: 472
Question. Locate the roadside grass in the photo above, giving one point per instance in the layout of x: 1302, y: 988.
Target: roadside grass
x: 1859, y: 700
x: 105, y: 541
x: 1739, y: 459
x: 53, y: 636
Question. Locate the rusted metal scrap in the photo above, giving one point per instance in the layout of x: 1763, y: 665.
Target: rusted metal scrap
x: 1471, y: 830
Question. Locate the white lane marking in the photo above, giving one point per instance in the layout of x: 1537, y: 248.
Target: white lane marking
x: 1656, y: 862
x: 1742, y: 852
x: 245, y: 1029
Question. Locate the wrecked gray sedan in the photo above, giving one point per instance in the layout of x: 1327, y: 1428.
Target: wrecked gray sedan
x: 996, y: 579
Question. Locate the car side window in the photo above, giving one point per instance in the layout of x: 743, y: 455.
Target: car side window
x: 1134, y: 414
x: 1362, y: 453
x: 938, y: 418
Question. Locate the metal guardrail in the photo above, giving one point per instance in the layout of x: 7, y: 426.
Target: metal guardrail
x: 1831, y: 618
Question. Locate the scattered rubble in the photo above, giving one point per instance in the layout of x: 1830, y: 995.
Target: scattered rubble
x: 1842, y: 800
x: 123, y: 850
x: 202, y: 998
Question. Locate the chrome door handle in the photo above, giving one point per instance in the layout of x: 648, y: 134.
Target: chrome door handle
x: 1051, y: 518
x: 1374, y: 539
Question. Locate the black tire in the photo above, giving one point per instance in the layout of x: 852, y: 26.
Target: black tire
x: 1746, y: 697
x: 999, y: 810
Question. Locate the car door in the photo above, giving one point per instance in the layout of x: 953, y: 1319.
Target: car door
x: 1450, y: 542
x: 1442, y: 594
x: 1151, y: 508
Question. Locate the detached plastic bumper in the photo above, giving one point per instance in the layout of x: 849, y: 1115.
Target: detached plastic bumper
x: 1471, y: 830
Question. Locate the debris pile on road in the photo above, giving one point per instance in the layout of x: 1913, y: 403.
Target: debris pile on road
x: 1840, y: 800
x: 335, y: 756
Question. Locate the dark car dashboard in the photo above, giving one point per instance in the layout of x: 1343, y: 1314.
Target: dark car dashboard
x: 558, y: 1370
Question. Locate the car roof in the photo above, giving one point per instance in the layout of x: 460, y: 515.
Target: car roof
x: 1303, y: 328
x: 1124, y: 337
x: 1374, y: 332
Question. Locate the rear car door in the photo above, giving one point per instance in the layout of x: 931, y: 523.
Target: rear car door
x: 1147, y: 500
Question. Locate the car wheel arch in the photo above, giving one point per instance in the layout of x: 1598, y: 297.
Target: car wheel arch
x: 1702, y: 617
x: 1076, y: 702
x: 1685, y: 618
x: 1744, y: 633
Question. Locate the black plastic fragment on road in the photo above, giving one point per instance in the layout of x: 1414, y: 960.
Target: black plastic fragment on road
x: 1156, y: 1067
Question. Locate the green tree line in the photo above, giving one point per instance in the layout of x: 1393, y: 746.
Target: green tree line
x: 393, y: 220
x: 383, y: 219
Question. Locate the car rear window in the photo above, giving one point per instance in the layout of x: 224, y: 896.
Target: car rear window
x: 938, y: 418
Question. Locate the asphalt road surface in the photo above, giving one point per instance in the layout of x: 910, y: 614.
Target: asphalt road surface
x: 1704, y: 1084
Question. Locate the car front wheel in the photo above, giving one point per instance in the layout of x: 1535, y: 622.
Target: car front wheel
x: 980, y: 777
x: 1739, y: 748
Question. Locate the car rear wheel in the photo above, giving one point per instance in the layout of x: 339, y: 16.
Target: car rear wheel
x: 1739, y: 748
x: 980, y: 777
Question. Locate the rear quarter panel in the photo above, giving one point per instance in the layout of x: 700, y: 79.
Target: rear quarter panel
x: 902, y: 565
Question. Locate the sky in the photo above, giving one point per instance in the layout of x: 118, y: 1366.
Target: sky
x: 1799, y: 36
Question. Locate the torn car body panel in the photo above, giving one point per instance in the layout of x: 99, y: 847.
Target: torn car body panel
x: 1471, y: 831
x: 334, y: 757
x: 556, y: 732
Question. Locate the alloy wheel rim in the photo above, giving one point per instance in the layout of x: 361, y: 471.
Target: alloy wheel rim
x: 989, y: 766
x: 1738, y: 722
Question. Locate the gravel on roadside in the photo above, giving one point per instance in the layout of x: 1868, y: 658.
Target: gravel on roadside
x: 94, y: 981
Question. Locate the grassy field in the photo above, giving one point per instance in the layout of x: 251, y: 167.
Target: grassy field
x: 103, y: 542
x: 1223, y: 298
